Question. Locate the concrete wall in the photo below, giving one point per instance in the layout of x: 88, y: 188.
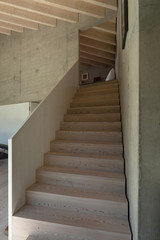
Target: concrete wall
x: 128, y: 74
x: 33, y: 61
x: 28, y: 145
x: 149, y: 54
x: 11, y: 119
x: 94, y: 72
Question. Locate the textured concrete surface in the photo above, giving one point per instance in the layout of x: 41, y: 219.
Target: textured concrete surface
x: 3, y: 198
x: 149, y: 192
x: 128, y: 66
x: 33, y: 61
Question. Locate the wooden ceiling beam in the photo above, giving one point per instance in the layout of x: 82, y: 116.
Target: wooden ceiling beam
x: 97, y: 45
x: 92, y: 63
x: 99, y: 35
x: 24, y: 14
x: 18, y: 22
x: 97, y: 53
x: 110, y: 4
x: 78, y: 6
x: 41, y: 8
x: 109, y: 27
x: 5, y: 31
x: 96, y: 59
x: 86, y: 64
x: 11, y: 27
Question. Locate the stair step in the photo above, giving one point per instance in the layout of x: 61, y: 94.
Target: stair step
x: 100, y: 85
x: 50, y: 222
x: 95, y: 102
x: 109, y: 149
x: 94, y: 110
x: 89, y: 136
x: 91, y: 126
x: 73, y: 177
x: 89, y: 97
x: 78, y: 200
x: 33, y: 238
x: 103, y: 117
x: 99, y: 91
x: 84, y: 161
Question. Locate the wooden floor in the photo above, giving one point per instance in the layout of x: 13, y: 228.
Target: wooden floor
x: 3, y: 197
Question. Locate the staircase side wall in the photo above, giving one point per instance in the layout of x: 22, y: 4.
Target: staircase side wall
x: 28, y: 145
x: 128, y: 70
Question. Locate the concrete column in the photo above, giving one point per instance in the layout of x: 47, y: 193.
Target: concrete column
x: 149, y: 86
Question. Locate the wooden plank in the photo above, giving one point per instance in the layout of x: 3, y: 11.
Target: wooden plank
x: 86, y: 64
x: 41, y: 8
x: 109, y: 27
x: 24, y: 14
x: 92, y: 63
x: 18, y: 22
x: 97, y: 59
x: 97, y: 52
x: 111, y: 4
x: 99, y: 35
x: 97, y: 44
x: 77, y: 6
x: 11, y: 26
x: 5, y: 31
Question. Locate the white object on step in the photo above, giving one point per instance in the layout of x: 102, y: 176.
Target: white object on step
x: 111, y: 75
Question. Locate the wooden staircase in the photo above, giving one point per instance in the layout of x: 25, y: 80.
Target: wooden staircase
x: 80, y: 190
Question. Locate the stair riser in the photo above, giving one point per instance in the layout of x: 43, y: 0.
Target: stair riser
x: 94, y: 97
x: 108, y: 117
x: 95, y: 92
x: 91, y: 126
x: 97, y: 149
x: 85, y: 163
x: 73, y: 180
x: 82, y: 205
x: 95, y: 110
x: 52, y: 231
x: 83, y: 136
x: 93, y: 103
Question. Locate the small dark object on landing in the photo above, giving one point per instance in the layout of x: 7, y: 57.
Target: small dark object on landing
x: 3, y: 151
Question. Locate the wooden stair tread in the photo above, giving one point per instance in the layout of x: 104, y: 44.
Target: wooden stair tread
x: 96, y: 107
x: 73, y: 219
x: 94, y: 114
x: 83, y: 172
x: 88, y: 142
x: 82, y: 92
x: 97, y: 102
x: 112, y: 158
x: 90, y: 132
x: 90, y: 126
x: 93, y: 99
x: 77, y: 192
x: 97, y: 95
x: 100, y: 84
x: 95, y: 136
x: 33, y: 238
